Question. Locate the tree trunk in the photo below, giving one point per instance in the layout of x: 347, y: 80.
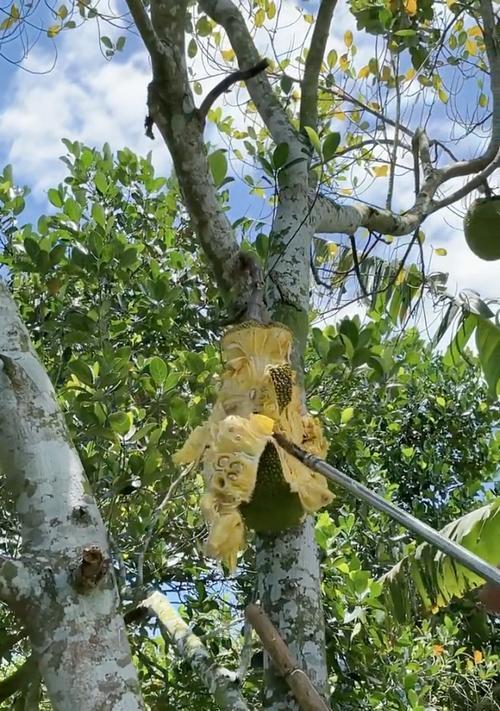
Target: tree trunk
x: 62, y: 587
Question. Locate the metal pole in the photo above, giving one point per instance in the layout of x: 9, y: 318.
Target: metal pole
x: 429, y: 534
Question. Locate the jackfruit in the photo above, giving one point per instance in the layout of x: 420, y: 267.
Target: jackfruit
x: 482, y: 228
x: 249, y: 481
x: 273, y: 506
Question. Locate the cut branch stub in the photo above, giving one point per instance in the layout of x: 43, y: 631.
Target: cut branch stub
x: 92, y: 569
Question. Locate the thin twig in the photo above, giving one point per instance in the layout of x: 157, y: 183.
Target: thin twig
x: 140, y: 559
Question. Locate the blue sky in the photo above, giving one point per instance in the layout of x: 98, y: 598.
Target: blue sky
x: 90, y: 99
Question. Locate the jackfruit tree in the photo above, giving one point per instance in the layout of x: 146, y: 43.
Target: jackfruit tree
x: 128, y: 325
x: 322, y: 124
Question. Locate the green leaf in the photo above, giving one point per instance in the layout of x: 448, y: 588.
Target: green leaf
x: 120, y: 43
x: 437, y: 577
x: 346, y: 415
x: 32, y: 248
x: 158, y: 369
x: 98, y: 214
x: 313, y: 139
x: 218, y: 166
x: 128, y: 257
x: 120, y: 422
x: 82, y: 371
x: 203, y: 26
x: 192, y: 49
x: 57, y: 253
x: 55, y: 197
x: 330, y: 145
x: 280, y: 155
x: 101, y: 183
x: 107, y: 42
x: 455, y: 351
x: 72, y: 209
x: 488, y: 346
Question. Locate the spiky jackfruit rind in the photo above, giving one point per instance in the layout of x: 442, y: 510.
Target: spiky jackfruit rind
x: 482, y: 228
x: 274, y: 506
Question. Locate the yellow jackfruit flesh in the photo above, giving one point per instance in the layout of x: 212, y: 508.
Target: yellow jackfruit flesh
x: 248, y: 479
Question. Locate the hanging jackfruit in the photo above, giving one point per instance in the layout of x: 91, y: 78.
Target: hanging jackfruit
x: 249, y: 481
x: 482, y: 228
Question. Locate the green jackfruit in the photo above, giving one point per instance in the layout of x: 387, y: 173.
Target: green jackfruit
x: 482, y: 228
x: 273, y: 506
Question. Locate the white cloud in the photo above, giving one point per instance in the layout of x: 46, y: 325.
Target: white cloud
x: 84, y: 98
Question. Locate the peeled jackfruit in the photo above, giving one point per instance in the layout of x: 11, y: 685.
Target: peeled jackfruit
x: 482, y: 228
x: 250, y: 482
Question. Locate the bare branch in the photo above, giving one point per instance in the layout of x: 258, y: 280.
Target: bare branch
x: 225, y: 84
x: 357, y: 102
x: 471, y: 185
x: 17, y: 680
x: 309, y: 84
x: 226, y: 14
x: 220, y: 682
x: 154, y: 522
x: 145, y: 28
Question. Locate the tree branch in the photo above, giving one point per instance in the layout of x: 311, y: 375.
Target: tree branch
x: 226, y: 14
x: 220, y: 682
x: 152, y: 526
x: 145, y: 28
x: 473, y: 184
x: 17, y: 680
x: 225, y: 84
x: 492, y: 43
x: 309, y: 84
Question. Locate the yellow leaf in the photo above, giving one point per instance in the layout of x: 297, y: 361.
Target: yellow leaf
x: 332, y: 248
x: 53, y: 30
x: 271, y: 10
x: 410, y: 74
x: 410, y: 7
x: 471, y: 47
x: 11, y: 19
x: 475, y: 31
x: 348, y: 38
x: 443, y: 96
x: 346, y: 191
x: 380, y: 171
x: 386, y: 72
x: 438, y: 649
x: 309, y: 19
x: 421, y: 236
x: 339, y: 115
x: 364, y: 72
x: 401, y: 277
x: 344, y: 62
x: 478, y: 656
x: 228, y: 54
x: 260, y: 18
x: 441, y: 251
